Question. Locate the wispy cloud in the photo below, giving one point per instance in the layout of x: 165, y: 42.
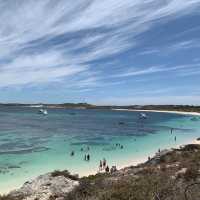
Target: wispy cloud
x: 149, y: 70
x: 182, y: 69
x: 171, y: 48
x: 183, y: 45
x: 46, y: 41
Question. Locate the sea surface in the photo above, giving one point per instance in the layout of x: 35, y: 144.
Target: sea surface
x: 32, y: 144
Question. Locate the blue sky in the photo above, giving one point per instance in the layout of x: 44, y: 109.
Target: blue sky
x: 102, y: 52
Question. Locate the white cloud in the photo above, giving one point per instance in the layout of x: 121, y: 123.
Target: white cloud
x: 33, y: 44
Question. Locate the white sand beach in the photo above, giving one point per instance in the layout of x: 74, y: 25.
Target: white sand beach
x: 161, y: 111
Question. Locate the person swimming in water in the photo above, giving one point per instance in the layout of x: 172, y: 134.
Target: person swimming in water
x: 72, y: 153
x: 88, y: 157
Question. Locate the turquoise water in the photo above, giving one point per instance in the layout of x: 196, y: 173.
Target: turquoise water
x: 33, y: 144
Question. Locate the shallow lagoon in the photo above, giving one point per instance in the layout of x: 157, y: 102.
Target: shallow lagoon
x: 33, y: 144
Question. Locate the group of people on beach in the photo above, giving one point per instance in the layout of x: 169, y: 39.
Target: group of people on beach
x: 104, y: 166
x: 103, y: 163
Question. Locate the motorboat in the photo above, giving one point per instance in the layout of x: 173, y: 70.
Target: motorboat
x: 43, y: 111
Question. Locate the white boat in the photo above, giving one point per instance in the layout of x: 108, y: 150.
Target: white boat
x: 43, y: 111
x: 143, y: 116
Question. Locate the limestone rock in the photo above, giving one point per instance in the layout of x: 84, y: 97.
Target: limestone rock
x: 44, y: 187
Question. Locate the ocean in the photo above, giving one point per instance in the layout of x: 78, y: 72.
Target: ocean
x: 32, y: 144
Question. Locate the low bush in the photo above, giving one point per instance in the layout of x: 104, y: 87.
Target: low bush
x: 66, y: 174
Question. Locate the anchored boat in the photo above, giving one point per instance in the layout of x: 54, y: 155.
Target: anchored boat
x: 43, y: 111
x: 143, y: 116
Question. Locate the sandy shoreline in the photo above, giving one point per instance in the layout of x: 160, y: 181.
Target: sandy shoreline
x: 161, y: 111
x: 144, y: 159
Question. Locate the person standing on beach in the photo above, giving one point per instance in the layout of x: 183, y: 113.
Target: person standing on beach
x: 107, y: 169
x: 104, y: 163
x: 175, y: 138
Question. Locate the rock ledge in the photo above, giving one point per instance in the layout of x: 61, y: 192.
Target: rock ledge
x: 45, y: 187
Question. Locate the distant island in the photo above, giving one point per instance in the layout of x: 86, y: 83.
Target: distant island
x: 181, y: 108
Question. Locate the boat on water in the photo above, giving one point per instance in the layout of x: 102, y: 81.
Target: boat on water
x: 143, y: 116
x: 43, y: 111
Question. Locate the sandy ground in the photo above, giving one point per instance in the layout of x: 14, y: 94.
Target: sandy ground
x: 162, y: 111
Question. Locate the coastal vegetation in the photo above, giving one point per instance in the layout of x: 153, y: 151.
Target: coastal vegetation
x: 183, y: 108
x: 174, y: 175
x: 66, y: 174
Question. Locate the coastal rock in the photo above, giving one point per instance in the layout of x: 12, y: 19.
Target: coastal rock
x: 45, y: 187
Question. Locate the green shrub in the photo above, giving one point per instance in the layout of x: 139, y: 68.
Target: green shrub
x: 64, y: 173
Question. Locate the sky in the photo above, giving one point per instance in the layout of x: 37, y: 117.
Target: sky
x: 117, y: 52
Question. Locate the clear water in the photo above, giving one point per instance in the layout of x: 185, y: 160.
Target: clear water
x: 33, y: 144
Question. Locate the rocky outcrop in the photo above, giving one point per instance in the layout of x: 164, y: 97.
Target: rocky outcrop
x: 46, y: 187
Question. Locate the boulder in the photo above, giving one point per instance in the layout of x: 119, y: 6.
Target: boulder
x: 46, y: 187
